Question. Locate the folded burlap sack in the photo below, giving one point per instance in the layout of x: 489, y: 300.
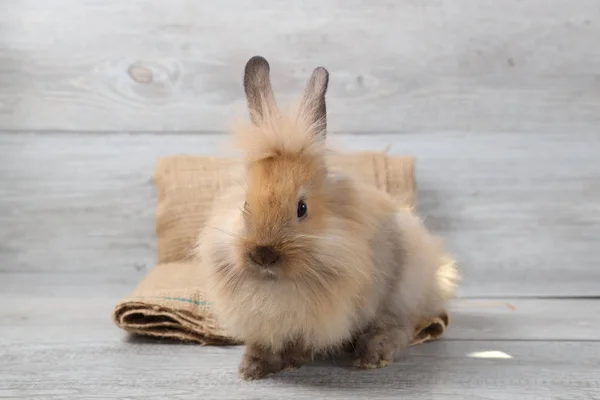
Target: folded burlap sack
x: 169, y: 302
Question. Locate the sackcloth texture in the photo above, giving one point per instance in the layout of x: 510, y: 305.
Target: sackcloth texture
x: 169, y: 302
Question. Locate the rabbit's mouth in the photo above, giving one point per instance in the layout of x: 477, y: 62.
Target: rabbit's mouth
x: 270, y: 271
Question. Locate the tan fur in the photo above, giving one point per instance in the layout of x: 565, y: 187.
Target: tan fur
x: 358, y: 267
x: 265, y: 139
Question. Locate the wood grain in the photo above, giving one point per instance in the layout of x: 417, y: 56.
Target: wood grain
x: 413, y: 66
x: 521, y: 213
x: 80, y: 312
x: 442, y: 370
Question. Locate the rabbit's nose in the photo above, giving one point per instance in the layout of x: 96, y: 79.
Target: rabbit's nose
x: 264, y: 255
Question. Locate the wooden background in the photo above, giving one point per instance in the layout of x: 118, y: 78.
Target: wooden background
x: 401, y: 66
x: 498, y: 100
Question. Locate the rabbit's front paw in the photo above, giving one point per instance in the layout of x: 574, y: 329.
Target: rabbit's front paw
x: 253, y: 368
x: 378, y: 349
x: 258, y: 362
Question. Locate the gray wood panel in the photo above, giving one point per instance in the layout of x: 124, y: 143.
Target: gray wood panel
x: 430, y: 65
x: 442, y: 370
x: 521, y: 213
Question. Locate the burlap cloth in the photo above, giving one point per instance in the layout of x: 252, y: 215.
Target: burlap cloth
x: 169, y: 302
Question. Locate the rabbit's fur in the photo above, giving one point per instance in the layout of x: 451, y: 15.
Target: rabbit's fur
x: 356, y: 268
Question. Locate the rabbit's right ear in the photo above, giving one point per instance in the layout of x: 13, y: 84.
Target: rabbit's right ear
x: 313, y: 103
x: 257, y: 86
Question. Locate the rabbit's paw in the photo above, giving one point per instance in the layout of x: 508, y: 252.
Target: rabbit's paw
x: 253, y: 368
x: 378, y: 349
x: 258, y: 362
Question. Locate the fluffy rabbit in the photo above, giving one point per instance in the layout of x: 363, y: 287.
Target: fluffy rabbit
x: 301, y: 260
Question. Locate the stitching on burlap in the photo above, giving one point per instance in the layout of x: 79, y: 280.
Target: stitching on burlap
x: 183, y: 299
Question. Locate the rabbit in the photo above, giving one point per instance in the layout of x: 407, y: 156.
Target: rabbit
x: 301, y: 259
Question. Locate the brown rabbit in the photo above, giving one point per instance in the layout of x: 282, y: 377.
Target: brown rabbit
x: 300, y: 259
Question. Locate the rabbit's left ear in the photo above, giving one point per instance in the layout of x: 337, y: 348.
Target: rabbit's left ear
x: 313, y: 105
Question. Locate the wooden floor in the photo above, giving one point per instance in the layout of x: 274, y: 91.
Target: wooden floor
x: 499, y: 101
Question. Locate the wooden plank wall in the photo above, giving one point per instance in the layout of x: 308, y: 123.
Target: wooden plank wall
x: 499, y: 102
x: 410, y: 65
x: 520, y: 212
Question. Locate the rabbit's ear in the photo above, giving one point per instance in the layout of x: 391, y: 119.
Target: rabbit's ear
x: 257, y: 86
x: 312, y: 105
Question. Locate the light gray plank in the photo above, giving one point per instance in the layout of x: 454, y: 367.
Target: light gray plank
x: 464, y: 65
x: 442, y: 370
x: 58, y: 313
x: 521, y: 213
x: 524, y: 319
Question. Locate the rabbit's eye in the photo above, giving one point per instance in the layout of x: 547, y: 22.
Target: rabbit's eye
x: 302, y: 209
